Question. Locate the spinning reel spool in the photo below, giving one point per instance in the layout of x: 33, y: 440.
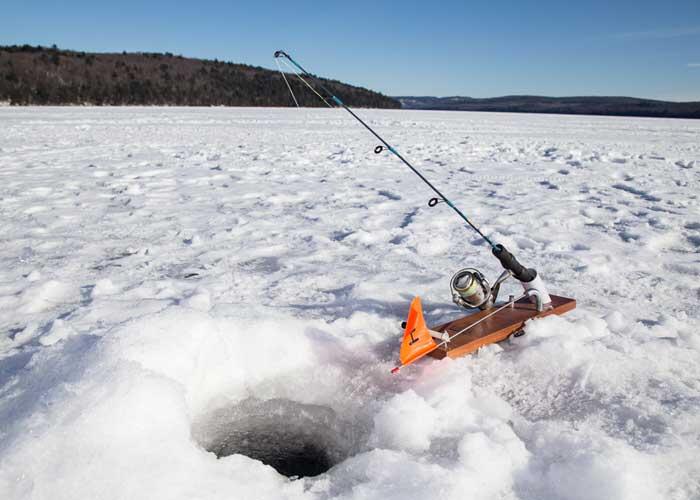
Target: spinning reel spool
x: 471, y: 290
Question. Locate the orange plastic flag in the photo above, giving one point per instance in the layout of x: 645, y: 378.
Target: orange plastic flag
x: 417, y: 341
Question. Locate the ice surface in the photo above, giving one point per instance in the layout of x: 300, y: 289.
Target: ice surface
x: 175, y: 279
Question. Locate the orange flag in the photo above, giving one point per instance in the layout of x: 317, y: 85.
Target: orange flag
x: 417, y: 341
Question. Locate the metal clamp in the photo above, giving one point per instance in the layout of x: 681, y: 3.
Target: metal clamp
x: 538, y: 298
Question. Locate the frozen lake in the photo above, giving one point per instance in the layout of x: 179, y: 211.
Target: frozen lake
x: 179, y: 284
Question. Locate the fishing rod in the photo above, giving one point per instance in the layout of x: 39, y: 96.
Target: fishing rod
x: 388, y: 146
x: 469, y: 287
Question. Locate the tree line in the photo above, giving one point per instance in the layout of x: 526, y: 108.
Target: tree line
x: 36, y: 75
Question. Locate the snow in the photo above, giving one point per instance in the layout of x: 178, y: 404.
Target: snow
x: 173, y: 279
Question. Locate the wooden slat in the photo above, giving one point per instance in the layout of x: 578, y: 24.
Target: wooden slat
x: 498, y: 327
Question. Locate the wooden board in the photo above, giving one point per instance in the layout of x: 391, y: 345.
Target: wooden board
x: 498, y: 327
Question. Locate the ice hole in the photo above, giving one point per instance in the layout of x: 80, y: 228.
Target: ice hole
x: 298, y: 440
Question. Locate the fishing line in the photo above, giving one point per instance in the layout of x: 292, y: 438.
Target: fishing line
x: 306, y: 83
x: 285, y: 81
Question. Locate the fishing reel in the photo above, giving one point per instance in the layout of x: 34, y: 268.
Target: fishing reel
x: 471, y: 290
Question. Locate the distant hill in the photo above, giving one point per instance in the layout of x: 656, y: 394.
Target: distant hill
x: 618, y: 106
x: 43, y: 75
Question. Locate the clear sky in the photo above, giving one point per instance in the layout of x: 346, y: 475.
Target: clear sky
x: 642, y: 48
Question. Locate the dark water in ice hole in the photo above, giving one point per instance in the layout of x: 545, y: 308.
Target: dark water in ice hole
x: 298, y: 440
x: 289, y: 454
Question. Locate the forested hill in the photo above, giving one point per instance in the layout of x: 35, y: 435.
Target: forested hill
x: 618, y: 106
x: 43, y: 75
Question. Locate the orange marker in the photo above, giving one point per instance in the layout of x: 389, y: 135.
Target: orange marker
x: 417, y: 338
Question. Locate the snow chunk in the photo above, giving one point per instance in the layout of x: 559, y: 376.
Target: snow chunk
x: 34, y: 276
x: 560, y: 327
x: 45, y: 296
x: 60, y: 330
x: 492, y: 459
x: 200, y: 300
x: 404, y: 423
x: 104, y: 287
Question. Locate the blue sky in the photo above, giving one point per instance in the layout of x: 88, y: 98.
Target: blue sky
x: 617, y: 47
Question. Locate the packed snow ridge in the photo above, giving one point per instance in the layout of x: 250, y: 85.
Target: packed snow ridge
x: 189, y: 295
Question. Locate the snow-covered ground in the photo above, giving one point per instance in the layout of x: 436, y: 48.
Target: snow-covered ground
x: 177, y: 280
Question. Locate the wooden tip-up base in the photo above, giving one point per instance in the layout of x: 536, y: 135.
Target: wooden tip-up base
x: 498, y: 327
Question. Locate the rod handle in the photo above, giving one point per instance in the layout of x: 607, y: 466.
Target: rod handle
x: 510, y: 263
